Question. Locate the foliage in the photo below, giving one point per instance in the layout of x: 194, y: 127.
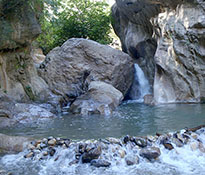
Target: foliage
x: 74, y: 18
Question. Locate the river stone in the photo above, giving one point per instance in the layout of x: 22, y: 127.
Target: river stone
x: 131, y: 160
x: 101, y: 98
x: 150, y: 153
x: 168, y: 146
x: 141, y: 142
x: 92, y: 154
x: 70, y: 68
x: 100, y: 163
x: 52, y: 142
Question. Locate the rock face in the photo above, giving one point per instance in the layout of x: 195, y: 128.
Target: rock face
x: 18, y: 28
x: 101, y: 98
x: 167, y: 39
x: 132, y: 24
x: 180, y: 56
x: 69, y: 69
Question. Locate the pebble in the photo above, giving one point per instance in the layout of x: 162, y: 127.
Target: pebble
x: 29, y: 155
x: 52, y: 142
x: 168, y: 146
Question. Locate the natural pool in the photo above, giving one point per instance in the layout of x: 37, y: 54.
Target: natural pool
x: 130, y: 118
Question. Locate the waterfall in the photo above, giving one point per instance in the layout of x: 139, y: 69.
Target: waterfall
x: 140, y: 86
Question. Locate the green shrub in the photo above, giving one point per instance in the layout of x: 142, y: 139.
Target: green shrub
x: 74, y: 18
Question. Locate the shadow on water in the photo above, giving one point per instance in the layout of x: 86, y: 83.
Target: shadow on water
x: 131, y: 118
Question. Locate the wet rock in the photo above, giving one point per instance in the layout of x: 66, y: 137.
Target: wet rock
x: 51, y: 151
x: 132, y: 160
x: 150, y: 153
x: 29, y: 155
x: 101, y: 98
x: 52, y: 142
x: 100, y: 163
x: 141, y: 142
x: 92, y: 154
x: 194, y: 136
x: 31, y: 147
x: 168, y: 146
x: 114, y: 141
x: 126, y: 139
x: 177, y: 142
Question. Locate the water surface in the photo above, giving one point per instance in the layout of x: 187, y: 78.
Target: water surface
x: 131, y: 118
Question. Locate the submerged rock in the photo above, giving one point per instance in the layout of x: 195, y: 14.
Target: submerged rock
x: 150, y: 153
x: 92, y: 154
x: 100, y: 163
x: 131, y: 160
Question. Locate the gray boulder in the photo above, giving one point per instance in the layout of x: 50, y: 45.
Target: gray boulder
x: 101, y: 98
x: 69, y: 69
x: 13, y: 143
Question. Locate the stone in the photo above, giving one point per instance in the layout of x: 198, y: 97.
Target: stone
x: 92, y: 154
x: 149, y: 99
x: 52, y: 142
x: 141, y: 142
x: 101, y: 98
x: 100, y: 163
x: 29, y: 155
x: 131, y: 160
x: 70, y: 68
x: 13, y: 144
x: 177, y: 142
x: 150, y: 153
x: 168, y: 146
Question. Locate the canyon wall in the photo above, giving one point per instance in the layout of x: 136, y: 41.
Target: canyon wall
x: 167, y: 39
x: 18, y: 28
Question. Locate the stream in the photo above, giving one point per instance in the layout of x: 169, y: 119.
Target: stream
x: 130, y: 118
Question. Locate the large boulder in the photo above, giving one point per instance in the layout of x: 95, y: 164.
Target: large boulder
x: 166, y: 37
x: 12, y: 113
x: 101, y: 98
x: 69, y: 69
x: 13, y: 143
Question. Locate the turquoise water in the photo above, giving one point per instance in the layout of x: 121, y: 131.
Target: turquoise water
x: 131, y: 118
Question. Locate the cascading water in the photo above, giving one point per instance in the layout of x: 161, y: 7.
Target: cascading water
x: 140, y: 86
x: 179, y: 153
